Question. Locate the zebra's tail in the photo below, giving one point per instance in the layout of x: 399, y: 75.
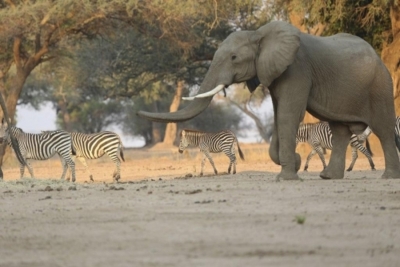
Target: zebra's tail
x: 240, y: 151
x: 368, y: 147
x: 121, y: 150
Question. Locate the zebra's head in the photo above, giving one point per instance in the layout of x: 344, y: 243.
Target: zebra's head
x: 183, y: 143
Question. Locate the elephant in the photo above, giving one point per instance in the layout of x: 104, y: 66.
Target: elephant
x: 339, y: 79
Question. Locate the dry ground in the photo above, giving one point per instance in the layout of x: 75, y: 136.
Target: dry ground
x: 157, y: 216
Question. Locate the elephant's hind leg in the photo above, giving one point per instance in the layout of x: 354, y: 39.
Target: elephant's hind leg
x: 340, y: 140
x: 387, y: 137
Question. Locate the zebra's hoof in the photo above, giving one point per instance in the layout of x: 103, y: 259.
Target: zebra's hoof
x: 349, y: 170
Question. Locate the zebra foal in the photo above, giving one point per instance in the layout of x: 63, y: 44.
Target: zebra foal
x: 319, y: 136
x: 94, y: 146
x: 223, y: 141
x: 41, y: 147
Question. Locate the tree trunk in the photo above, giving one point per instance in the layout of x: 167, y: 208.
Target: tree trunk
x: 156, y: 127
x: 391, y: 54
x: 66, y: 118
x: 13, y: 87
x: 171, y: 129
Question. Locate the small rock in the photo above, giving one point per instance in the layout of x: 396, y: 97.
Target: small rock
x: 48, y: 188
x: 72, y: 188
x: 189, y: 175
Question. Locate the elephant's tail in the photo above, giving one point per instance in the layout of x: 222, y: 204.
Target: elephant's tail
x: 369, y: 148
x: 397, y: 139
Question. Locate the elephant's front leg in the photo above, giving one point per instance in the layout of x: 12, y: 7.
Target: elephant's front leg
x: 283, y: 143
x: 340, y: 140
x: 286, y: 141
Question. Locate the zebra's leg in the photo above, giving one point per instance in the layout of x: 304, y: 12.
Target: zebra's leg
x: 354, y: 156
x: 232, y: 161
x: 207, y: 154
x: 117, y: 171
x: 67, y: 161
x: 22, y: 169
x: 65, y: 167
x: 320, y: 152
x: 112, y: 153
x: 310, y: 155
x: 83, y: 161
x: 71, y: 165
x: 366, y: 153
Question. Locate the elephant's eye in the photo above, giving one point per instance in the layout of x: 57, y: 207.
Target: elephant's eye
x: 233, y: 57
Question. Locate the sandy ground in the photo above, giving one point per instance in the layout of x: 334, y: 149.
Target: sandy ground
x: 160, y: 216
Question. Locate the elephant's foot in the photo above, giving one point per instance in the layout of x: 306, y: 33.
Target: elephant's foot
x: 391, y: 174
x: 284, y: 175
x: 330, y: 174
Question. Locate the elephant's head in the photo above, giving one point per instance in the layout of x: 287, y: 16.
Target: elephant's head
x: 253, y: 57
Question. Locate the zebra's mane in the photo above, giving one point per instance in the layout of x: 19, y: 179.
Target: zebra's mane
x: 191, y: 131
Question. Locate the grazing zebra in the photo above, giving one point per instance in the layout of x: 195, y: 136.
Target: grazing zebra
x: 319, y: 136
x: 223, y: 141
x: 94, y: 146
x: 41, y: 147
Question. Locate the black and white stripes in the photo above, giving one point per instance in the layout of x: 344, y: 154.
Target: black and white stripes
x: 223, y: 141
x: 93, y: 146
x: 319, y: 136
x: 41, y: 147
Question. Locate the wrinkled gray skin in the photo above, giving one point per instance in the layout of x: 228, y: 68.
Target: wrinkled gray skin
x: 338, y: 79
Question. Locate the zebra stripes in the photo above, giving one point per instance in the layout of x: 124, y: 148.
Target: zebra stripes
x: 41, y: 147
x: 223, y: 141
x: 94, y: 146
x: 319, y: 136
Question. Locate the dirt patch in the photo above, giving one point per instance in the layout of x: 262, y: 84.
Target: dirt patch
x: 164, y: 214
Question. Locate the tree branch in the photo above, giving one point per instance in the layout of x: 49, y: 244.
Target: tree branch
x: 16, y: 51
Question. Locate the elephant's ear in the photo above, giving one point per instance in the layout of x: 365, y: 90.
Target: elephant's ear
x: 278, y: 45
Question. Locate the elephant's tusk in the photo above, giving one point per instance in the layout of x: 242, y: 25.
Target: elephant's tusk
x: 188, y: 98
x: 206, y: 94
x: 212, y: 92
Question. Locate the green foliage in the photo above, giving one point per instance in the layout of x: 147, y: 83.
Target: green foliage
x: 300, y: 219
x: 217, y: 117
x: 368, y: 19
x: 93, y: 116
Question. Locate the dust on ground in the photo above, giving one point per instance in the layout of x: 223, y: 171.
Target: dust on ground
x: 163, y: 214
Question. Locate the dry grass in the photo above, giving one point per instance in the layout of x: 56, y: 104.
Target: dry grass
x: 163, y: 162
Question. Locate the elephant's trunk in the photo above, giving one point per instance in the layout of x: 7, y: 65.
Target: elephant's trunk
x: 190, y: 111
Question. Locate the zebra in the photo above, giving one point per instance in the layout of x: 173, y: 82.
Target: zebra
x: 397, y: 133
x: 94, y: 146
x: 41, y: 147
x: 319, y: 136
x: 223, y: 141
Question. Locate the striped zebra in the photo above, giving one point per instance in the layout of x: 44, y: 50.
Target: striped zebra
x: 397, y: 127
x: 41, y: 147
x: 223, y: 141
x: 397, y: 133
x: 94, y: 146
x: 319, y: 136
